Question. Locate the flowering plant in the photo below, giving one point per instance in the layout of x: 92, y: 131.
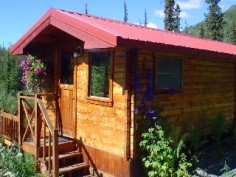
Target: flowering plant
x: 34, y: 73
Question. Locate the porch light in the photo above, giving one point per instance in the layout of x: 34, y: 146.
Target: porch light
x: 78, y: 52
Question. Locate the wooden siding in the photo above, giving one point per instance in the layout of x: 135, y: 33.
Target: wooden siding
x: 105, y: 164
x: 100, y: 125
x: 208, y: 88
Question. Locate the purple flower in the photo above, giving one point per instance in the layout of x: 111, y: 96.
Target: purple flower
x: 150, y: 94
x: 152, y: 115
x: 33, y: 72
x: 136, y: 110
x: 137, y: 82
x: 37, y: 71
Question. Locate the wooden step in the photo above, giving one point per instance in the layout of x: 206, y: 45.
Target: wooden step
x: 74, y: 167
x: 67, y: 155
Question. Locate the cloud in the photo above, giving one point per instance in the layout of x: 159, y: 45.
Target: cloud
x: 184, y: 14
x: 190, y: 4
x: 159, y: 13
x: 151, y: 25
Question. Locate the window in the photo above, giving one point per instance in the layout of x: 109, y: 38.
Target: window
x: 99, y: 77
x: 67, y: 66
x: 169, y: 74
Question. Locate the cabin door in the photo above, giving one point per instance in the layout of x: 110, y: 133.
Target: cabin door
x: 67, y: 121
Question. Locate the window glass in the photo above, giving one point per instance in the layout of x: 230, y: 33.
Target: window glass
x: 169, y: 74
x: 99, y: 74
x: 67, y: 65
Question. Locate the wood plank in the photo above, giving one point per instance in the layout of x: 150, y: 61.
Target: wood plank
x: 74, y: 167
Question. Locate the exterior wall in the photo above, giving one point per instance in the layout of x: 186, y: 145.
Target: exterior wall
x: 101, y: 126
x: 208, y: 88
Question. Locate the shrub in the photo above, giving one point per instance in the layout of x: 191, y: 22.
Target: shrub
x: 13, y: 161
x: 161, y: 157
x: 218, y: 127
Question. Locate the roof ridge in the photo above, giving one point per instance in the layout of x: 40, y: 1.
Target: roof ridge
x: 111, y: 20
x: 140, y: 26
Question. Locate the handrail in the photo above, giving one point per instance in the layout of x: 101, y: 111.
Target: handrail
x: 38, y: 119
x: 45, y: 115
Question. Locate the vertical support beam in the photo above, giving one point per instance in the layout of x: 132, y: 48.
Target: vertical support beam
x: 20, y: 118
x: 56, y: 81
x: 55, y: 160
x: 37, y: 130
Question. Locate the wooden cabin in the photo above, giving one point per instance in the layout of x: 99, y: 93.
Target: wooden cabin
x: 92, y: 64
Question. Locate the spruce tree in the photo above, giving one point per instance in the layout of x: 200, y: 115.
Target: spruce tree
x: 86, y: 9
x: 214, y: 21
x: 145, y: 18
x: 125, y: 12
x: 177, y: 18
x: 186, y: 27
x: 202, y: 31
x: 233, y: 33
x: 169, y: 12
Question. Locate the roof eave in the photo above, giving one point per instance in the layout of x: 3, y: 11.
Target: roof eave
x: 121, y: 42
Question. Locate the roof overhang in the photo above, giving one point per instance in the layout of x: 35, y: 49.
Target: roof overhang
x: 68, y: 25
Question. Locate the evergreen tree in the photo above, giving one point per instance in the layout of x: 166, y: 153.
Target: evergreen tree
x: 10, y: 83
x: 177, y: 18
x: 125, y: 12
x: 145, y: 22
x: 214, y: 21
x: 169, y: 12
x: 233, y: 33
x: 186, y: 27
x: 202, y: 31
x: 86, y: 9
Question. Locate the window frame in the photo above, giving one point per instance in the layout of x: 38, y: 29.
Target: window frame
x: 174, y: 57
x: 105, y: 101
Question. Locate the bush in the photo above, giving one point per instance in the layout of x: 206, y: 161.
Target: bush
x: 161, y: 157
x: 16, y: 163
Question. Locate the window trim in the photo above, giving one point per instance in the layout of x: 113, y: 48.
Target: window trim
x: 105, y: 101
x: 174, y: 57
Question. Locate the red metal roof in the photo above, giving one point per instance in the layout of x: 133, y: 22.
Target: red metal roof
x: 99, y: 32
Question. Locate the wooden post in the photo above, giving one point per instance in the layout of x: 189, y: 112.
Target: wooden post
x: 20, y: 118
x: 37, y: 131
x: 55, y: 154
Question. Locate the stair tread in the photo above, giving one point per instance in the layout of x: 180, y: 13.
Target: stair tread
x: 73, y: 167
x: 65, y: 155
x: 69, y: 154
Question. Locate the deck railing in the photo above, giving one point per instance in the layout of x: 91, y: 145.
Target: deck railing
x: 9, y: 126
x: 35, y: 124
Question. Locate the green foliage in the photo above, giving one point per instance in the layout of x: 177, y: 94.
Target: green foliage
x: 194, y: 137
x: 8, y: 102
x: 214, y: 21
x: 145, y: 22
x: 14, y: 161
x: 161, y: 157
x: 225, y: 168
x: 10, y: 82
x: 177, y: 18
x: 229, y: 18
x: 172, y: 16
x: 125, y: 12
x: 100, y: 74
x: 218, y: 126
x: 169, y: 11
x: 232, y: 33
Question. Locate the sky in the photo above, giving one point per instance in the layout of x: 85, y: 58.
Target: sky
x: 17, y: 16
